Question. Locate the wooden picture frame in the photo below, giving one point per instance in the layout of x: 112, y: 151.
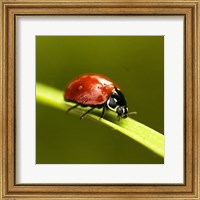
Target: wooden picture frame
x: 10, y: 10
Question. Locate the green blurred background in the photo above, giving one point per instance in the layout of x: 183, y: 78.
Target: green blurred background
x: 135, y: 63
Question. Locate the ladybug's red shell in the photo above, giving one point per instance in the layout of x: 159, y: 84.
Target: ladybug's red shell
x: 89, y: 90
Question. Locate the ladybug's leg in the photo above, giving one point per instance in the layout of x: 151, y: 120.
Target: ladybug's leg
x: 103, y: 112
x: 87, y: 112
x: 72, y: 108
x: 118, y: 118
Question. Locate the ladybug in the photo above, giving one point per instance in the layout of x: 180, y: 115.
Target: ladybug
x: 96, y: 91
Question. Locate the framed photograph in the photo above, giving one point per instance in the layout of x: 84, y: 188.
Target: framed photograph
x: 99, y: 99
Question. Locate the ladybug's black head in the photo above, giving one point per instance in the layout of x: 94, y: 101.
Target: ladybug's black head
x: 117, y: 103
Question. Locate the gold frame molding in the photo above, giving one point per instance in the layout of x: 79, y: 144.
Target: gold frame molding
x: 10, y: 9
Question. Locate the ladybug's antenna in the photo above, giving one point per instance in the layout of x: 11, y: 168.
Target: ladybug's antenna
x: 132, y: 113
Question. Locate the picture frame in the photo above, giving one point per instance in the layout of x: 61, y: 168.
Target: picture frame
x: 12, y: 9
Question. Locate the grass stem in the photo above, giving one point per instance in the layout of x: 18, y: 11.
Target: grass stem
x: 146, y: 136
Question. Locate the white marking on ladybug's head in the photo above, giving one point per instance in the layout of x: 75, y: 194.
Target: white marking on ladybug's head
x: 115, y: 100
x: 108, y: 104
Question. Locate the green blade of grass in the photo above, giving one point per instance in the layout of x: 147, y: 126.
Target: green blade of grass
x: 133, y: 129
